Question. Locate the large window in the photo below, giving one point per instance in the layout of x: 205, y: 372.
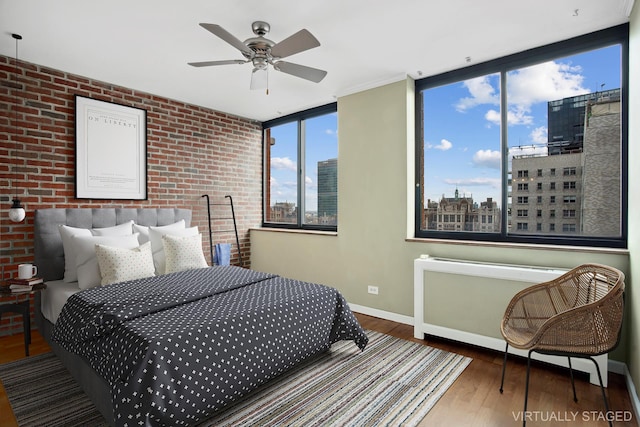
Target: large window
x: 496, y: 133
x: 301, y: 170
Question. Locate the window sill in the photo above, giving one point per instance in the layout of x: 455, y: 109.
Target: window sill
x: 560, y: 248
x: 295, y: 231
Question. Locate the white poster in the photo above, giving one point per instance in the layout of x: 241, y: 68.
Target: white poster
x: 111, y: 147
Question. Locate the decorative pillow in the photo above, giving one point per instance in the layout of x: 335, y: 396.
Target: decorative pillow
x: 183, y: 252
x: 86, y: 261
x: 144, y: 230
x: 67, y: 233
x: 120, y: 264
x: 157, y: 248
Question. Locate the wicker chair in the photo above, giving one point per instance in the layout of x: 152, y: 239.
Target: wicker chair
x: 579, y: 314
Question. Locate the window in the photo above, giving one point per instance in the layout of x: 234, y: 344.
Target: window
x: 539, y: 199
x: 523, y: 213
x: 301, y: 170
x: 523, y: 199
x: 568, y: 213
x: 552, y: 199
x: 553, y: 110
x: 569, y: 199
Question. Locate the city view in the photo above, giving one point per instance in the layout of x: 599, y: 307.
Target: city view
x: 563, y: 133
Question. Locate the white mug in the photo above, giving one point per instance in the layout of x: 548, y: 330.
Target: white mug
x: 27, y: 271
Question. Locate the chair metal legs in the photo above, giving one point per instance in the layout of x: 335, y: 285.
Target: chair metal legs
x: 526, y: 391
x: 504, y: 366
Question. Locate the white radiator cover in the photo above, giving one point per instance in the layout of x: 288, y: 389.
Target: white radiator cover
x: 516, y: 273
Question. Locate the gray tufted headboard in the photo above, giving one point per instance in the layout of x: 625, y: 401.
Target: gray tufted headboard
x: 49, y: 255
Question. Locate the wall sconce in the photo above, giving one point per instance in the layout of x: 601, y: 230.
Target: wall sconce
x: 16, y: 213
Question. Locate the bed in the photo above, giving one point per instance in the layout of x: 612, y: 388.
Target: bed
x: 175, y: 347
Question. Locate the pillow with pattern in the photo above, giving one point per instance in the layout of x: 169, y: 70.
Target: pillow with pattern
x: 183, y: 252
x: 122, y: 264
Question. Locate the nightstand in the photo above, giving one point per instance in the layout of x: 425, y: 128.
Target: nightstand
x: 20, y: 303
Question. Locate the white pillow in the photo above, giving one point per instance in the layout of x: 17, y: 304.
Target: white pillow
x: 183, y: 252
x: 120, y: 264
x: 86, y: 261
x: 157, y: 248
x: 123, y: 229
x: 67, y: 233
x: 144, y: 230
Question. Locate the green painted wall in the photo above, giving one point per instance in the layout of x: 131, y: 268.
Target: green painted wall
x: 373, y: 245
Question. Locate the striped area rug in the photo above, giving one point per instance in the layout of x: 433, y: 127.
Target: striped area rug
x: 393, y: 382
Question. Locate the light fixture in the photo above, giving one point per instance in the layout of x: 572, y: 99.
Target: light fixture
x: 16, y: 213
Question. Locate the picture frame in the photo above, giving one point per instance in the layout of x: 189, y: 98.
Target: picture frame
x: 111, y: 150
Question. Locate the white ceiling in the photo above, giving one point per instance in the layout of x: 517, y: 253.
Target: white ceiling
x: 146, y: 44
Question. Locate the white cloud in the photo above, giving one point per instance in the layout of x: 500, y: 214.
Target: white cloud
x: 481, y: 91
x: 525, y: 87
x: 444, y: 145
x: 539, y: 135
x: 283, y: 163
x: 487, y: 158
x: 331, y: 132
x: 475, y: 182
x: 544, y: 82
x: 515, y: 116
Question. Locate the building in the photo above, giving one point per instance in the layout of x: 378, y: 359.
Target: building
x: 566, y: 119
x: 462, y: 214
x: 563, y: 191
x: 328, y: 192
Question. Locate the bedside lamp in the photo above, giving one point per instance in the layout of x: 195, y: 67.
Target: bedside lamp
x: 16, y: 213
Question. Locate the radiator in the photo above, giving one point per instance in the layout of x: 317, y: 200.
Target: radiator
x: 515, y: 273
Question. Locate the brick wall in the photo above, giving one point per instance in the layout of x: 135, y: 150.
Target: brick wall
x: 191, y: 151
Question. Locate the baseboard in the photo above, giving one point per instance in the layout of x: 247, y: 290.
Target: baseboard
x: 631, y: 387
x: 386, y: 315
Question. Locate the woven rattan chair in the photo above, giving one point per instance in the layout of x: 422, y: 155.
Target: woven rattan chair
x: 579, y: 314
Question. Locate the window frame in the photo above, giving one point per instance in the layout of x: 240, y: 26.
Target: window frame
x: 299, y: 117
x: 581, y: 44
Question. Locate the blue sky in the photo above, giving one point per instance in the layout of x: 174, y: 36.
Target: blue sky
x: 321, y: 144
x: 462, y: 130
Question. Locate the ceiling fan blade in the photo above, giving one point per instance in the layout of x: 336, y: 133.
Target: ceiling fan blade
x: 259, y: 79
x: 296, y: 43
x: 226, y: 36
x: 210, y: 63
x: 313, y: 74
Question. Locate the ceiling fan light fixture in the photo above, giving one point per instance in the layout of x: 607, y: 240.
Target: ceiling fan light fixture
x: 261, y: 52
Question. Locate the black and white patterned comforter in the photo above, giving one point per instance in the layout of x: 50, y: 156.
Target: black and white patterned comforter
x: 178, y: 347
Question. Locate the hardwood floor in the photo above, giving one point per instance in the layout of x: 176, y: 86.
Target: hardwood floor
x: 474, y: 398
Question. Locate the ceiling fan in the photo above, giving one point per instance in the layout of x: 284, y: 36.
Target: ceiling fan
x: 261, y: 52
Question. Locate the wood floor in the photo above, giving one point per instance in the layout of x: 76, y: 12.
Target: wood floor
x: 474, y: 399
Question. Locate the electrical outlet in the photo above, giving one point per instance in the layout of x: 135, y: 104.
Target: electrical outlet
x: 372, y: 290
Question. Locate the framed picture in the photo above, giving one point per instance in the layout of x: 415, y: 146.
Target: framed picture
x: 111, y: 150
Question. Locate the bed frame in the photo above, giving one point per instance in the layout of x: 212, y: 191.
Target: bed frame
x: 49, y: 257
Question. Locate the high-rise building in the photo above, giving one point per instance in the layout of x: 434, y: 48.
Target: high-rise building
x: 328, y: 191
x: 566, y: 119
x: 575, y: 187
